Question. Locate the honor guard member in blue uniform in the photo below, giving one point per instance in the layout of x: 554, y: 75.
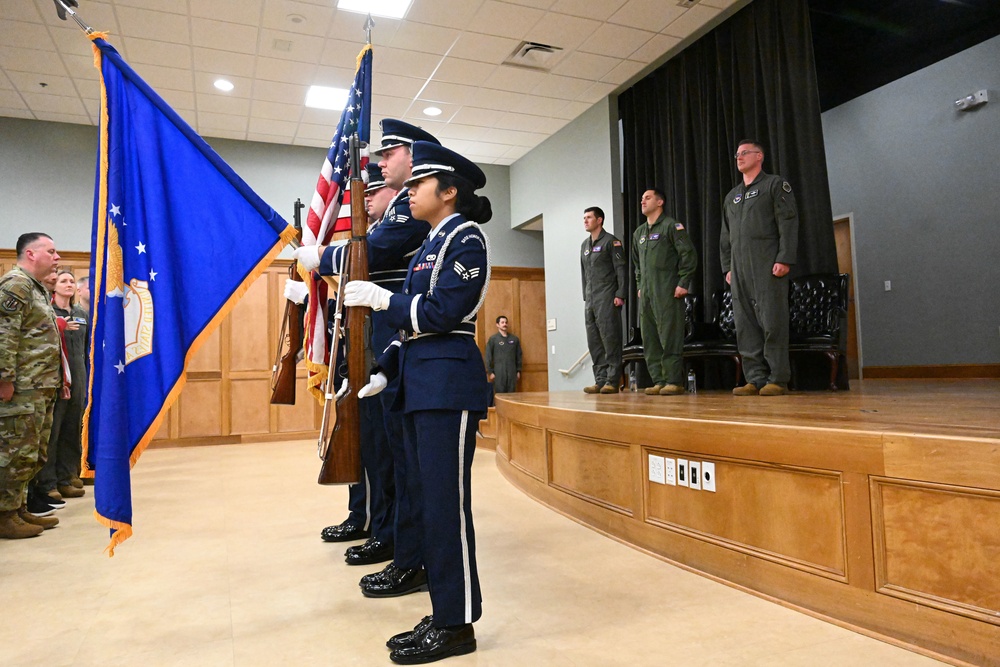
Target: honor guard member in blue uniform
x: 602, y: 266
x: 758, y: 244
x: 391, y: 244
x: 442, y: 389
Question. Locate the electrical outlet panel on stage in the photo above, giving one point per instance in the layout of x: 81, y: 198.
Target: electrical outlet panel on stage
x: 682, y: 472
x: 694, y: 475
x: 656, y: 473
x: 670, y: 471
x: 708, y: 476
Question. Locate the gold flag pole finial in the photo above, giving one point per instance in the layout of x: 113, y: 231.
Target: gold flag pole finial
x: 369, y: 24
x: 63, y: 8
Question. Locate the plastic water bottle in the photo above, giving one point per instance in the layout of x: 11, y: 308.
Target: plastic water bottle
x: 632, y: 384
x: 692, y: 382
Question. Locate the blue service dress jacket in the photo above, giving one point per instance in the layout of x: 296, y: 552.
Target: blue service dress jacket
x: 437, y: 360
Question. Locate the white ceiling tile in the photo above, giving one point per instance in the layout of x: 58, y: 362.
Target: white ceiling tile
x: 219, y: 121
x: 563, y: 87
x: 224, y: 134
x: 223, y: 62
x: 424, y: 38
x: 338, y: 53
x: 655, y: 48
x: 166, y: 77
x: 406, y: 63
x: 515, y: 79
x: 625, y: 70
x: 179, y: 100
x: 515, y: 152
x: 10, y: 99
x: 567, y: 32
x: 315, y: 133
x: 31, y: 60
x: 458, y: 131
x: 81, y: 68
x: 334, y: 77
x: 205, y: 84
x: 27, y: 82
x: 175, y: 7
x: 223, y: 36
x: 230, y: 11
x: 276, y: 111
x: 25, y: 35
x: 274, y: 91
x: 647, y: 14
x: 222, y: 103
x: 616, y: 40
x: 272, y: 127
x: 585, y: 66
x: 498, y: 99
x: 537, y: 105
x: 158, y: 25
x: 461, y: 146
x: 268, y: 138
x: 349, y: 26
x: 99, y: 15
x: 8, y: 112
x: 5, y: 83
x: 287, y: 71
x: 24, y: 11
x: 321, y: 117
x: 53, y: 104
x: 539, y: 4
x: 417, y: 116
x: 483, y: 48
x: 449, y: 13
x: 481, y: 149
x: 158, y: 53
x: 513, y: 137
x: 397, y: 86
x: 529, y: 123
x: 591, y: 9
x: 391, y: 107
x: 306, y: 142
x: 504, y: 20
x: 722, y: 4
x: 597, y: 92
x: 298, y: 17
x: 301, y: 48
x: 477, y: 116
x: 449, y: 93
x: 52, y: 117
x: 691, y: 21
x: 454, y: 70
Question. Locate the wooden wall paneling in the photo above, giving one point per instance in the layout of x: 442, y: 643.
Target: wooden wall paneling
x: 249, y: 400
x: 251, y: 337
x: 535, y: 370
x: 599, y: 471
x: 795, y: 516
x: 302, y: 415
x: 938, y: 545
x: 499, y: 301
x: 525, y: 447
x: 200, y: 409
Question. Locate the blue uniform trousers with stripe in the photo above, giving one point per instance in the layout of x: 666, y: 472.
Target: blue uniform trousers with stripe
x: 442, y: 444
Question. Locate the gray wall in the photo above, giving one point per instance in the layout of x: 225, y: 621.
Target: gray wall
x: 47, y: 184
x: 921, y: 182
x: 568, y: 172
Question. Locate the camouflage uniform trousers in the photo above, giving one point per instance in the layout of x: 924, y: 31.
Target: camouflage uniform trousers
x: 25, y: 423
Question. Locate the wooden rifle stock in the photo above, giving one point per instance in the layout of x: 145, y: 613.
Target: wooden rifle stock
x: 283, y: 370
x: 342, y: 455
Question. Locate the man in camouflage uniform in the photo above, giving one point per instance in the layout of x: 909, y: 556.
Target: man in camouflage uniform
x: 602, y: 266
x: 664, y: 261
x: 30, y: 375
x: 758, y: 245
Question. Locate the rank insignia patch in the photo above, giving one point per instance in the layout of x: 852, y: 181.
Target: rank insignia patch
x: 10, y: 304
x: 737, y: 199
x: 464, y: 273
x: 586, y: 252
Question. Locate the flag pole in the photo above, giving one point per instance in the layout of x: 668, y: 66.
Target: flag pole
x: 369, y: 24
x: 62, y: 9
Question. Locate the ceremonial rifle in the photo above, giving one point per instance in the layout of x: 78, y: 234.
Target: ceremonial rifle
x: 283, y: 370
x: 340, y: 434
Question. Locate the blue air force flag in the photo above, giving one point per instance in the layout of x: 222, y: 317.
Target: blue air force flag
x: 178, y: 238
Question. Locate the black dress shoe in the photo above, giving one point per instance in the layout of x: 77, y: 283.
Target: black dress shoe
x: 437, y: 644
x: 397, y: 582
x: 404, y: 639
x: 370, y: 552
x: 379, y: 576
x: 345, y: 532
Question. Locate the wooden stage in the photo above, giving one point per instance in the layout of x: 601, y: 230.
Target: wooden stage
x: 876, y: 508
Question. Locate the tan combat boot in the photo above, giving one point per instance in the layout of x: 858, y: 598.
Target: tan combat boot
x: 749, y: 389
x: 672, y: 390
x: 13, y: 528
x: 609, y: 389
x: 592, y: 389
x: 77, y: 482
x: 45, y: 522
x: 654, y: 390
x: 772, y: 389
x: 70, y: 491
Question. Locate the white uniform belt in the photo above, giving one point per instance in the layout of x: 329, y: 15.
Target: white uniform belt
x: 409, y: 336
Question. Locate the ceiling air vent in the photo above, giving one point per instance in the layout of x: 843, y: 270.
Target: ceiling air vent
x: 534, y: 56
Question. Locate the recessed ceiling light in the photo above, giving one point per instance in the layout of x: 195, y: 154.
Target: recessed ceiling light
x: 394, y: 9
x: 224, y: 85
x: 323, y: 97
x: 432, y: 111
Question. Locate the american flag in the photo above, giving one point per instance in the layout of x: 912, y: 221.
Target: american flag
x: 330, y: 212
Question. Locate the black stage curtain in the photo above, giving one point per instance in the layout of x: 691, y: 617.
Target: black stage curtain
x: 753, y: 77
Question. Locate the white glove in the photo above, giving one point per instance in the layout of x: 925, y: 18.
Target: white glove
x: 295, y: 290
x: 376, y: 383
x: 364, y: 293
x: 307, y: 256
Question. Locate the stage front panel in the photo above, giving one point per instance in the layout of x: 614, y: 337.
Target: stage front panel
x: 527, y: 450
x: 596, y: 470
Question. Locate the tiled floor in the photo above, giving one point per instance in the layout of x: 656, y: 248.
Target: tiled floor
x: 226, y: 568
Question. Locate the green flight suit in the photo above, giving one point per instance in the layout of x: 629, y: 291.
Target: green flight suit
x: 602, y: 267
x: 663, y: 258
x: 760, y: 227
x: 30, y: 358
x: 503, y: 359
